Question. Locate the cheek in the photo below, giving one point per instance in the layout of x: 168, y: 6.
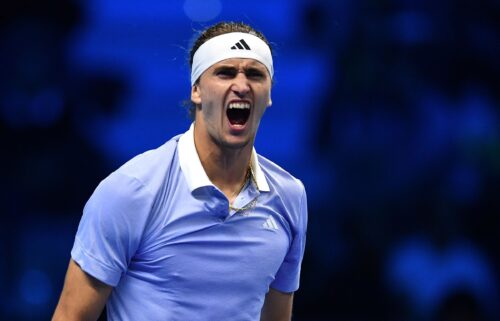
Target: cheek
x: 212, y: 96
x: 211, y: 108
x: 260, y: 111
x: 265, y: 99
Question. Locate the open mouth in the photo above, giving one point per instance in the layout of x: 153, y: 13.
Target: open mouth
x: 238, y: 113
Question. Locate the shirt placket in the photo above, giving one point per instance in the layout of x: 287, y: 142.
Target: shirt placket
x: 245, y: 201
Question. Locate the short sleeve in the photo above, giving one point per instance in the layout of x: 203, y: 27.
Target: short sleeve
x: 288, y: 275
x: 111, y: 227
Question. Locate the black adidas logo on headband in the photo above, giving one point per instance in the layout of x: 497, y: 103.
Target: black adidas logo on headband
x: 240, y: 45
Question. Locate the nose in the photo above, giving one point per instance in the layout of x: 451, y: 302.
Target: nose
x: 240, y: 85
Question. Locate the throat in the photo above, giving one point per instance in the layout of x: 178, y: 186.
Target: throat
x: 238, y: 116
x: 233, y: 192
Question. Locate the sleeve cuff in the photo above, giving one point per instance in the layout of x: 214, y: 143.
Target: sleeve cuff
x: 93, y: 267
x: 286, y: 280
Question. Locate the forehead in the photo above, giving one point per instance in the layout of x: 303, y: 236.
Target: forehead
x: 243, y: 63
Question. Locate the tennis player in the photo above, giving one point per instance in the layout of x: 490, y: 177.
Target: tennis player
x: 203, y: 227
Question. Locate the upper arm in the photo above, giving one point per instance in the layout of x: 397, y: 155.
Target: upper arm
x: 277, y: 306
x: 287, y: 277
x: 83, y: 297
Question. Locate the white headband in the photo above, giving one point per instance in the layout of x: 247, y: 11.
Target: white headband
x: 230, y: 45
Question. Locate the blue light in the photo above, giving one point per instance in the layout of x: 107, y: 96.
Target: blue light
x: 47, y: 107
x: 35, y: 287
x: 202, y: 10
x: 412, y: 27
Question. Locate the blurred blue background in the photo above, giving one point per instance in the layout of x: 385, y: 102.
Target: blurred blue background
x: 387, y: 110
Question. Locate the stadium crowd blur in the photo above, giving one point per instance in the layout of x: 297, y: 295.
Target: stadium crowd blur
x: 387, y: 110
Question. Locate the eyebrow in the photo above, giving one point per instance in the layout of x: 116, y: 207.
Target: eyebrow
x: 246, y: 68
x: 225, y: 67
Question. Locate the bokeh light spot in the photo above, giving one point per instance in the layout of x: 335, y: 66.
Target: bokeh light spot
x: 35, y: 287
x: 202, y: 10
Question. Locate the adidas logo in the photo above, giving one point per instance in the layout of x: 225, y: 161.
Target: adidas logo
x: 241, y: 45
x: 270, y: 224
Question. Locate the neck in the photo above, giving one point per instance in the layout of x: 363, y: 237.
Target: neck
x: 225, y: 167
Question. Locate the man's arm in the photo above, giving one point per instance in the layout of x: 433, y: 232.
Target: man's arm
x: 277, y: 306
x: 83, y: 297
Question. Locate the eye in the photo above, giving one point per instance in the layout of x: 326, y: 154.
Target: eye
x: 226, y: 73
x: 255, y: 74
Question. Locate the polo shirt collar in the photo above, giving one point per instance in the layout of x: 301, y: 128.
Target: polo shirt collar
x: 193, y: 170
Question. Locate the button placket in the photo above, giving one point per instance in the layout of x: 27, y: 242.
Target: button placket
x: 244, y: 200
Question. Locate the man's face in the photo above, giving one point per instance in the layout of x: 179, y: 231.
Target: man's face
x: 231, y: 97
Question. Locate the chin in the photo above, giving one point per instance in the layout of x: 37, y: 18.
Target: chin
x: 235, y: 142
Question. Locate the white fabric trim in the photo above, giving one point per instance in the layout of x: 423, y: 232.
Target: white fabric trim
x: 190, y: 161
x: 219, y: 48
x: 193, y: 170
x: 259, y: 176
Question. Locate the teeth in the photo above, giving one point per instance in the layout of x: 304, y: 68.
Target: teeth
x: 239, y: 105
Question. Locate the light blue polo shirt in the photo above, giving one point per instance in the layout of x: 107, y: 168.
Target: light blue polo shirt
x: 162, y: 235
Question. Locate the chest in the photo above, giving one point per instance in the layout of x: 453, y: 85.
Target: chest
x: 197, y: 244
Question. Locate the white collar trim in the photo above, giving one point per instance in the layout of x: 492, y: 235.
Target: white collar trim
x: 193, y: 170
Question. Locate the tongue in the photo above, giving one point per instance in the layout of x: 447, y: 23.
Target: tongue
x: 238, y: 116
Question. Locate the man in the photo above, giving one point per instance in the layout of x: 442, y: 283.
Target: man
x: 202, y: 228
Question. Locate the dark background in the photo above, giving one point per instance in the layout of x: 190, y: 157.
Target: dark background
x: 387, y: 110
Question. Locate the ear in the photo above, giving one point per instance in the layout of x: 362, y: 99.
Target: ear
x: 195, y: 94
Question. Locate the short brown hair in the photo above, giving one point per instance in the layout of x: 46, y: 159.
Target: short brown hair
x: 214, y: 31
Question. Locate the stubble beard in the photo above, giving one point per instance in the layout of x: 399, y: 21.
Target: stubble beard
x: 224, y: 144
